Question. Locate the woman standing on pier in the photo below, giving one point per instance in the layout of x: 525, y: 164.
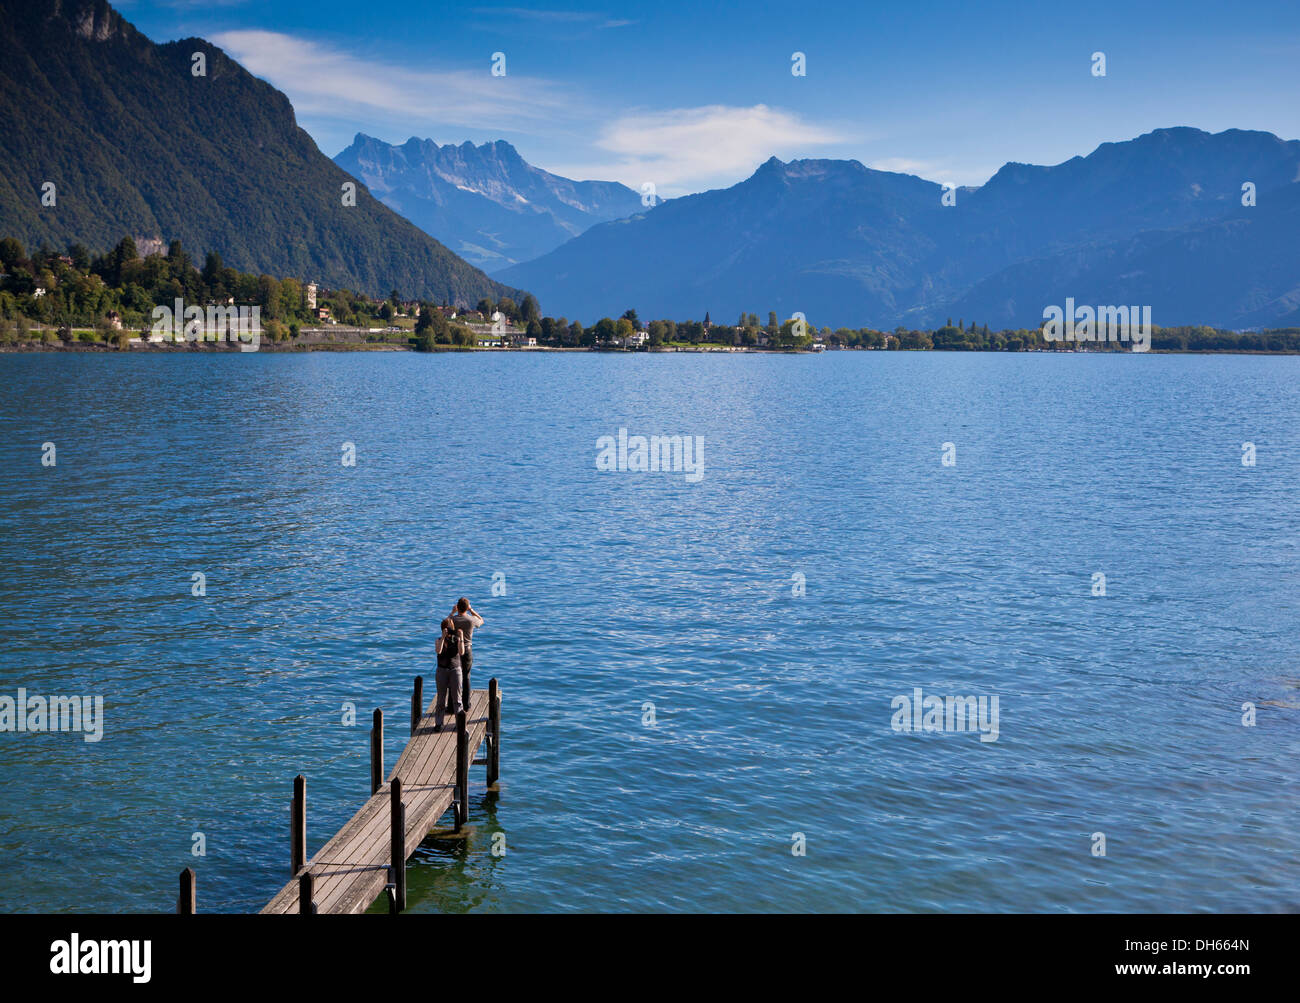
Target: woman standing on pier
x: 449, y: 648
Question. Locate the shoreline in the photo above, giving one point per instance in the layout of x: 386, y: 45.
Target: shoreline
x: 196, y: 348
x: 163, y: 348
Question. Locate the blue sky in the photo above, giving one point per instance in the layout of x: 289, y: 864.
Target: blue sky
x: 694, y: 95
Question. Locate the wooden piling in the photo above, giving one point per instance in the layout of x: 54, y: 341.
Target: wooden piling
x: 397, y: 817
x: 462, y: 771
x: 356, y: 866
x: 187, y: 901
x: 493, y: 732
x: 298, y: 825
x: 417, y: 703
x: 307, y: 894
x: 376, y: 752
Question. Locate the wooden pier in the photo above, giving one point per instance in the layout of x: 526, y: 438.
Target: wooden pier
x: 366, y: 859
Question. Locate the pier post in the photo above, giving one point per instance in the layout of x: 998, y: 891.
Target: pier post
x: 187, y: 901
x: 377, y: 752
x: 462, y: 771
x: 417, y: 703
x: 397, y: 816
x: 307, y: 894
x: 390, y: 893
x: 298, y: 825
x: 493, y: 732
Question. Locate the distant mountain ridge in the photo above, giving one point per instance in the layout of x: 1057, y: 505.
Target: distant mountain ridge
x: 136, y: 144
x: 485, y: 202
x: 1142, y: 221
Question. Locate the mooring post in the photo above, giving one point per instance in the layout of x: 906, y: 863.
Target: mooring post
x: 187, y: 901
x: 298, y: 825
x: 494, y: 732
x: 397, y: 816
x: 307, y: 894
x: 377, y: 752
x: 390, y: 892
x: 462, y: 771
x: 417, y: 703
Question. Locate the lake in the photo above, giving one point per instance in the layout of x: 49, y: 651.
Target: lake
x: 701, y: 677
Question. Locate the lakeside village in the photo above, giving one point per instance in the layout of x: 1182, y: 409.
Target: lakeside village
x: 144, y: 296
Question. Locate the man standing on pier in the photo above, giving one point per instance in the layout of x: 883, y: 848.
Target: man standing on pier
x: 466, y: 620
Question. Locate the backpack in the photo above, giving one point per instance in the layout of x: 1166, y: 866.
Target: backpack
x: 450, y: 650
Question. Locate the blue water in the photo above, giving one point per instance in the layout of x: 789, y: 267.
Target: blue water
x: 1119, y: 714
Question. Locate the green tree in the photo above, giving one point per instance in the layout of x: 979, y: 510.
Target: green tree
x: 424, y: 329
x: 554, y: 329
x: 291, y: 298
x: 787, y: 338
x: 177, y: 260
x: 11, y: 254
x: 268, y: 297
x: 212, y: 269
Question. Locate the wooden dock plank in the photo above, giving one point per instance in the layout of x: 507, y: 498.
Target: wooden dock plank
x: 431, y: 798
x: 351, y: 869
x: 354, y: 867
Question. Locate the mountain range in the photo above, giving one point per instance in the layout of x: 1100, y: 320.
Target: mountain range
x: 128, y: 138
x: 485, y: 202
x: 1158, y: 220
x: 136, y: 142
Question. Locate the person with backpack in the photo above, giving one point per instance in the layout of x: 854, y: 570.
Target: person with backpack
x: 449, y: 648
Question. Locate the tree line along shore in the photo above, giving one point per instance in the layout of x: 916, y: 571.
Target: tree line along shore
x: 77, y: 299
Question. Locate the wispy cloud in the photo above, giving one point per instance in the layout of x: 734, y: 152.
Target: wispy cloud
x: 934, y: 170
x: 537, y: 15
x: 328, y: 83
x: 686, y: 149
x: 903, y: 165
x: 680, y: 150
x: 578, y: 17
x: 180, y: 5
